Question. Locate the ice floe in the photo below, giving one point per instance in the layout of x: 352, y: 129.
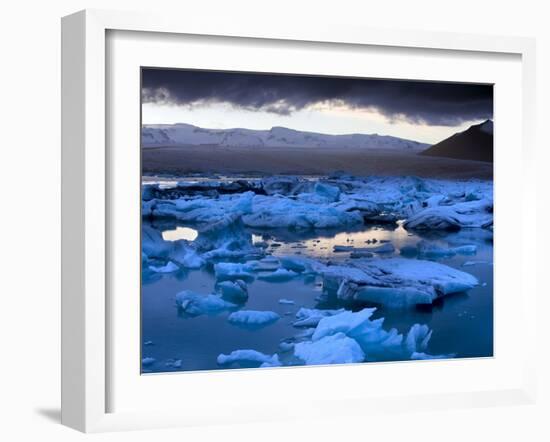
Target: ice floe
x: 234, y: 291
x: 333, y: 349
x: 310, y: 317
x: 170, y: 267
x: 397, y: 282
x: 356, y: 337
x: 278, y: 275
x: 286, y: 301
x: 248, y: 358
x: 232, y: 271
x: 147, y: 361
x: 253, y: 318
x: 195, y: 304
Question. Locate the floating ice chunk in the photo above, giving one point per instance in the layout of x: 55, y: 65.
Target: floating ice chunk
x: 417, y: 339
x: 434, y: 200
x: 278, y: 275
x: 267, y: 264
x: 391, y: 297
x: 286, y: 301
x: 148, y: 191
x: 204, y: 209
x: 473, y: 263
x: 284, y: 185
x: 305, y: 334
x: 326, y: 191
x: 152, y: 243
x: 147, y: 208
x: 168, y: 268
x: 235, y: 291
x: 433, y: 278
x: 469, y: 249
x: 248, y: 358
x: 334, y: 349
x: 360, y: 254
x: 286, y: 346
x: 186, y: 256
x: 383, y: 248
x: 226, y: 239
x: 298, y: 264
x: 369, y: 334
x: 196, y: 304
x: 425, y: 356
x: 310, y: 317
x: 339, y: 249
x: 147, y: 361
x: 453, y: 217
x: 275, y: 212
x: 232, y: 271
x: 253, y: 318
x: 433, y: 251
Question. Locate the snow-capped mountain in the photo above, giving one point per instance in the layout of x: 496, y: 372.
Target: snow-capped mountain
x: 188, y: 135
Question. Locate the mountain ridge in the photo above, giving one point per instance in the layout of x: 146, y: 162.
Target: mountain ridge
x: 183, y: 134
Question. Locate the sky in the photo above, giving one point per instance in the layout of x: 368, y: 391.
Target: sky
x: 422, y: 111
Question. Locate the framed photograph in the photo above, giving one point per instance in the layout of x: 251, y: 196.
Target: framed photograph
x: 253, y: 214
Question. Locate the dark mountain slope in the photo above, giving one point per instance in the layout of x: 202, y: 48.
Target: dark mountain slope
x: 475, y: 143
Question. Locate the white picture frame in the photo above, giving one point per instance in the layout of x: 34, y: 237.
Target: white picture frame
x: 86, y: 215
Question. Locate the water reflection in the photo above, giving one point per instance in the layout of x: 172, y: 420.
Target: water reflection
x: 178, y: 233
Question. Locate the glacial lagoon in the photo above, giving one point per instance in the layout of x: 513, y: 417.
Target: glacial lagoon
x: 289, y: 257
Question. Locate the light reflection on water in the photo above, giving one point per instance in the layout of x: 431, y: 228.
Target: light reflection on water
x: 322, y: 244
x: 178, y: 233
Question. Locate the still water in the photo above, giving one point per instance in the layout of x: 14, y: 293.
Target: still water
x: 462, y: 324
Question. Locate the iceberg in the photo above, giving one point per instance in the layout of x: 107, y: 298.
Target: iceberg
x: 466, y: 214
x: 235, y: 291
x: 248, y: 359
x: 326, y: 191
x: 195, y: 304
x: 431, y: 251
x: 147, y: 361
x: 185, y: 255
x: 397, y: 282
x: 267, y: 264
x: 334, y: 349
x: 285, y: 185
x: 417, y: 339
x: 369, y: 334
x: 391, y: 297
x: 152, y: 243
x: 253, y: 318
x: 232, y: 271
x: 168, y: 268
x: 278, y: 275
x: 226, y: 239
x: 299, y: 264
x: 425, y: 356
x: 310, y: 317
x: 383, y: 248
x: 282, y: 212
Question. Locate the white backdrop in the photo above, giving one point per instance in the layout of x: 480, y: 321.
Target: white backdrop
x: 30, y: 114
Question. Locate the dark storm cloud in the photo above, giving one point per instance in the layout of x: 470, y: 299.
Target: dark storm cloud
x: 446, y: 104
